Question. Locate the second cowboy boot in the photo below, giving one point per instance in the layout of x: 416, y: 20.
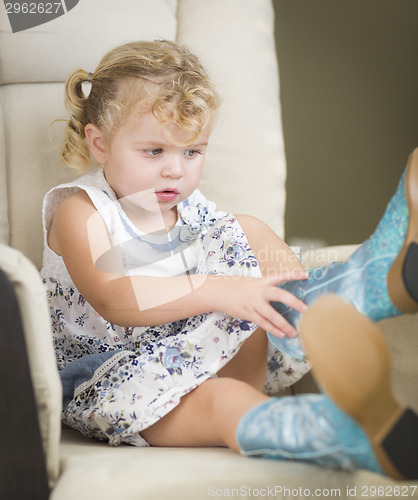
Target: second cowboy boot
x: 381, y: 278
x: 354, y: 369
x: 358, y: 423
x: 308, y: 428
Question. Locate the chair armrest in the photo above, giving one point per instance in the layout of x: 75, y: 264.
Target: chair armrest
x: 22, y: 462
x: 30, y: 293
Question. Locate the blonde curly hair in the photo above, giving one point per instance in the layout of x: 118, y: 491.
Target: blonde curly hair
x: 157, y: 76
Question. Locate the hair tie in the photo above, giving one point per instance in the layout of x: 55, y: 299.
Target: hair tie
x: 86, y: 85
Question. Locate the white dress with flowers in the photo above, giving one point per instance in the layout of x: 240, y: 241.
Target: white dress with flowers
x: 118, y: 381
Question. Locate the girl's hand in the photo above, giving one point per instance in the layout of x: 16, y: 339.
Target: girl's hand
x: 249, y: 299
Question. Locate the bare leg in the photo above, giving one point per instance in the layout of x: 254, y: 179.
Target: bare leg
x: 207, y: 416
x: 250, y: 363
x: 272, y: 253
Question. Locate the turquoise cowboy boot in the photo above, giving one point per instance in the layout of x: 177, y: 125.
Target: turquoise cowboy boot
x: 358, y: 424
x: 380, y: 279
x: 308, y: 428
x: 351, y: 362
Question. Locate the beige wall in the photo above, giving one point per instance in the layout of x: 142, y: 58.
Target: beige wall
x: 349, y: 92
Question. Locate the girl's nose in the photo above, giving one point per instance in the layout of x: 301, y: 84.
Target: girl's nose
x: 173, y: 167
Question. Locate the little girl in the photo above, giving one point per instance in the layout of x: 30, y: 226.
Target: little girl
x: 158, y: 301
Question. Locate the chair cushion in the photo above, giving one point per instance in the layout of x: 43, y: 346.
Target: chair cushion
x: 33, y: 163
x: 245, y: 171
x: 95, y: 470
x: 49, y: 52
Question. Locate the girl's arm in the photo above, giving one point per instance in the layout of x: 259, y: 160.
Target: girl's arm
x: 80, y: 236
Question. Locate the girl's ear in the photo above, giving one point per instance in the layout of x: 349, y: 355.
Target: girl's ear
x: 96, y: 142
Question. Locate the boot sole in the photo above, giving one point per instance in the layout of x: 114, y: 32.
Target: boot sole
x: 403, y: 274
x: 351, y: 362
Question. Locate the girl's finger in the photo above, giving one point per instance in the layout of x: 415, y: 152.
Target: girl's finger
x: 275, y: 323
x: 287, y: 298
x: 269, y: 327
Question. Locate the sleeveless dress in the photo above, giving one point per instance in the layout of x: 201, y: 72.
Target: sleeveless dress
x: 117, y: 380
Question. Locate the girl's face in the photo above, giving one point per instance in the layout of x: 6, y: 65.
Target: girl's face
x: 144, y: 165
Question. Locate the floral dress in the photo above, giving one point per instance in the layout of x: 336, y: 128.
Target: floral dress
x: 117, y: 381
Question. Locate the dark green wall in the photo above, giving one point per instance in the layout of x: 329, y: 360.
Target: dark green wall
x: 349, y: 93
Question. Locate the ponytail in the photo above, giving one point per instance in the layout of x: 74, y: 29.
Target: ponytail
x: 75, y: 152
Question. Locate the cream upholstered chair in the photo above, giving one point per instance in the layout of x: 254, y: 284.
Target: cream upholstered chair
x: 245, y: 173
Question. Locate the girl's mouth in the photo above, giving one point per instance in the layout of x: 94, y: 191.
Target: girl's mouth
x: 167, y: 195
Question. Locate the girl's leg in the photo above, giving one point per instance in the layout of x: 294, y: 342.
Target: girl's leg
x: 273, y: 255
x: 228, y: 412
x: 207, y: 416
x: 250, y: 363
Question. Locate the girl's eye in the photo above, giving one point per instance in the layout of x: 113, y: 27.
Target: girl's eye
x: 192, y: 153
x: 153, y: 152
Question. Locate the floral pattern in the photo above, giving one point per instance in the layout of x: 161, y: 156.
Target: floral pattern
x: 153, y: 367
